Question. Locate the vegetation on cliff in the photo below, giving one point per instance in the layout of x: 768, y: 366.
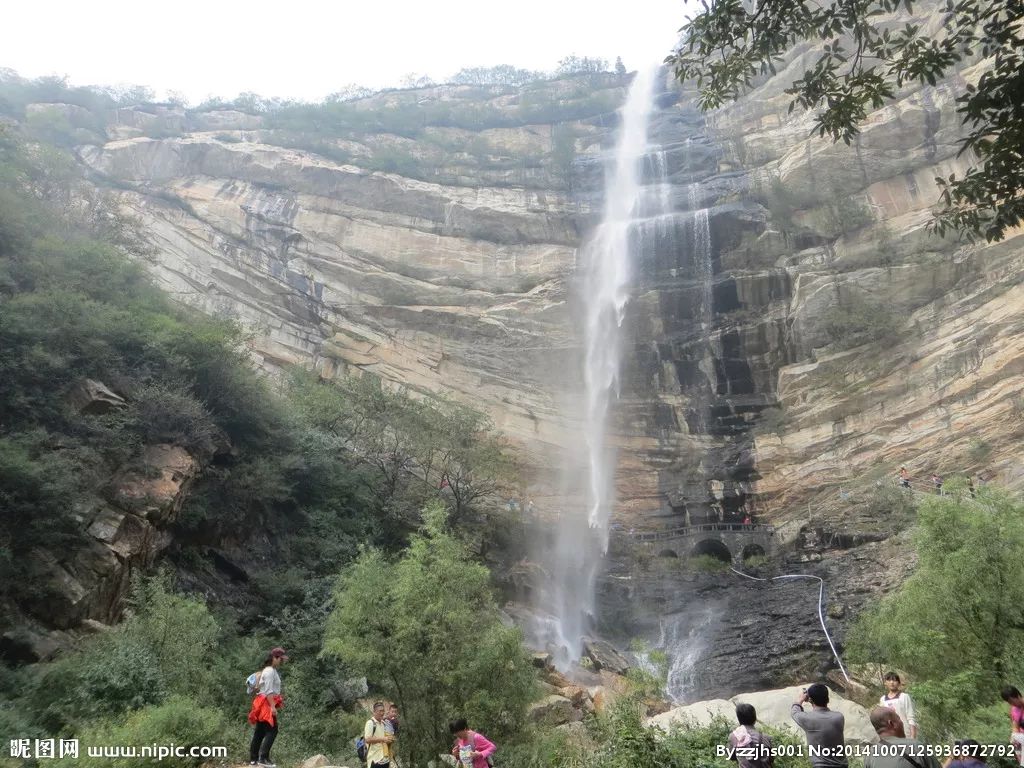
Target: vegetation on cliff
x: 868, y: 57
x: 954, y: 627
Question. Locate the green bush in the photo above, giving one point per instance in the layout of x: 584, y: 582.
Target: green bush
x: 426, y: 631
x: 858, y: 321
x: 180, y: 721
x: 165, y: 413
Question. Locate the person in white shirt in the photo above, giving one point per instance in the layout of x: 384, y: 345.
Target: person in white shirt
x: 900, y: 702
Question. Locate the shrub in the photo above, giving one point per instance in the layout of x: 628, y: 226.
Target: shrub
x: 166, y: 413
x: 179, y: 721
x: 860, y: 322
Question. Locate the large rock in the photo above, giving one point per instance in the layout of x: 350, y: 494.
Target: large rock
x: 605, y: 657
x: 157, y: 490
x: 94, y: 397
x: 773, y: 708
x: 552, y: 710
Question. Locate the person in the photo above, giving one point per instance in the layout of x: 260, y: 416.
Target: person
x: 822, y: 727
x: 899, y: 701
x: 904, y: 477
x: 391, y: 728
x: 748, y: 738
x: 967, y: 753
x: 377, y: 739
x: 471, y: 750
x: 747, y: 520
x: 937, y: 481
x: 1012, y: 697
x: 970, y: 486
x: 265, y: 706
x: 902, y: 752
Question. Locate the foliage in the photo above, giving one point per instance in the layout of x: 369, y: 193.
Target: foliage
x: 859, y: 321
x: 951, y: 626
x: 425, y: 630
x: 574, y: 64
x: 179, y: 720
x: 863, y: 64
x: 705, y: 564
x: 501, y: 74
x: 435, y: 442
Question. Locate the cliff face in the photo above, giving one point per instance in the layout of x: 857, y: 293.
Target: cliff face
x: 794, y: 329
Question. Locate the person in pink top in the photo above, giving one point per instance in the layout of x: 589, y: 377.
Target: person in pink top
x: 472, y: 749
x: 1012, y: 697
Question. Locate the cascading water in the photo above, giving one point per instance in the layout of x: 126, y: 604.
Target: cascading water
x: 581, y: 538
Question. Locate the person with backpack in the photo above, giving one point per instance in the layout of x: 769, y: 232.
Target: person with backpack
x: 264, y: 711
x: 376, y: 740
x: 471, y: 750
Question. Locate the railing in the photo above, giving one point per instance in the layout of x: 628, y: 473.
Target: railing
x: 689, y: 530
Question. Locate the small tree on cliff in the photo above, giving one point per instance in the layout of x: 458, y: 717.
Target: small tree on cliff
x: 866, y: 58
x: 426, y: 633
x: 955, y: 624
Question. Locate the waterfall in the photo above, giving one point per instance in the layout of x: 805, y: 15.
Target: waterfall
x: 702, y: 264
x: 629, y: 223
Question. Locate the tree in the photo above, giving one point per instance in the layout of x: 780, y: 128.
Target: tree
x: 951, y: 626
x: 620, y: 68
x: 434, y: 441
x: 574, y: 64
x: 425, y: 631
x: 867, y: 57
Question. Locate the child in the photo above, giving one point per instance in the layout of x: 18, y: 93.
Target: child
x: 751, y: 740
x: 900, y: 702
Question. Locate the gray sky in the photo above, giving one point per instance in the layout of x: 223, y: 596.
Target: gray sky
x: 309, y: 48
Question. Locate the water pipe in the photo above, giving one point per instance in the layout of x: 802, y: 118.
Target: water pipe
x: 821, y: 612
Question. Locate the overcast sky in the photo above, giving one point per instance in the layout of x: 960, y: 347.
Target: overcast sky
x: 308, y: 48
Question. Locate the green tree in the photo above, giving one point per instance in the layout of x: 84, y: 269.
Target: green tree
x: 425, y: 631
x: 953, y: 626
x: 864, y: 61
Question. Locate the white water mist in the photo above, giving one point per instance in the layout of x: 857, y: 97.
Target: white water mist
x: 581, y: 538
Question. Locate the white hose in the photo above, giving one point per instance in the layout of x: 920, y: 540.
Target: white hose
x: 821, y: 601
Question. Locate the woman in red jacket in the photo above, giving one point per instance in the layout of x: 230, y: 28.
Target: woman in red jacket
x: 264, y: 709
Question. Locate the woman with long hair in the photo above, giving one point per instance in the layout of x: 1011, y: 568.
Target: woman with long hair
x: 264, y: 711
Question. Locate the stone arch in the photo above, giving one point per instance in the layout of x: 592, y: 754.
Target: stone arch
x: 752, y: 550
x: 712, y: 548
x: 668, y: 553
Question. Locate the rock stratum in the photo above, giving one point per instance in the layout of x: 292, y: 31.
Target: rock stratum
x: 820, y: 337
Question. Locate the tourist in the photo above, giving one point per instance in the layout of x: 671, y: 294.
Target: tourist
x: 822, y: 727
x: 967, y: 753
x: 970, y: 486
x: 1012, y: 697
x: 391, y: 728
x: 937, y: 482
x: 904, y: 477
x: 755, y: 744
x: 889, y: 727
x: 377, y: 739
x: 471, y: 750
x: 899, y: 701
x: 264, y: 711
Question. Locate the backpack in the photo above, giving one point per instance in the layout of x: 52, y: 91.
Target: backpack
x: 362, y: 748
x: 252, y: 683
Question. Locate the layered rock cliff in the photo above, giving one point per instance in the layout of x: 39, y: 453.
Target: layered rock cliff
x: 815, y: 337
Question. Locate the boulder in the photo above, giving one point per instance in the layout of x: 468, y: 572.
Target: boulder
x: 316, y: 761
x: 94, y: 397
x: 345, y: 693
x: 773, y: 708
x: 574, y: 693
x: 552, y: 710
x: 542, y: 659
x: 157, y: 491
x: 602, y: 698
x: 604, y: 657
x: 698, y: 714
